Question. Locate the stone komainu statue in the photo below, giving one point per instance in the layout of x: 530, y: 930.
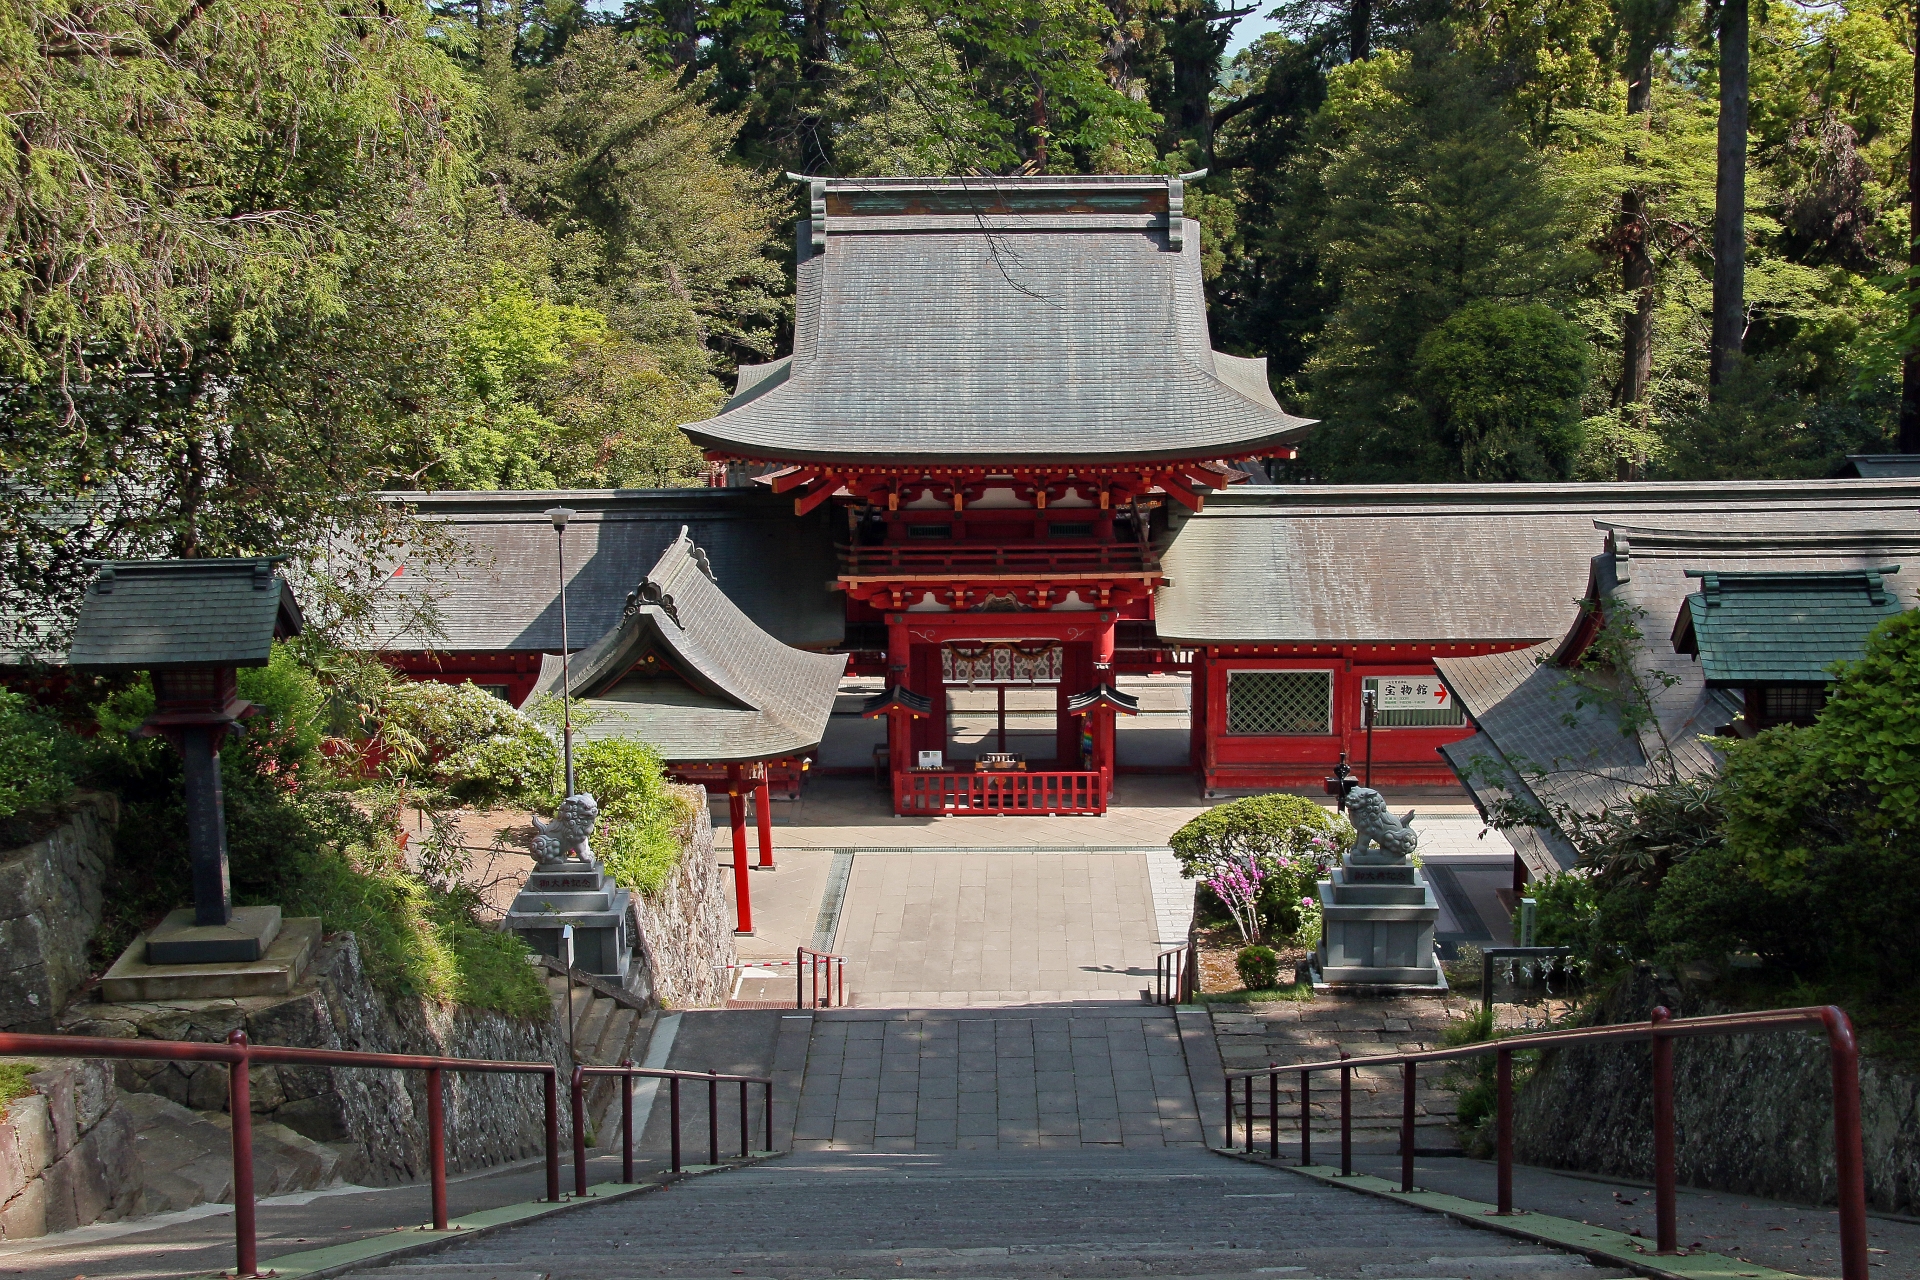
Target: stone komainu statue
x: 1384, y: 839
x: 566, y: 836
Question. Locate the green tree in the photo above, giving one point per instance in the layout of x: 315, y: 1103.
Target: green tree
x: 1433, y: 199
x: 1503, y: 386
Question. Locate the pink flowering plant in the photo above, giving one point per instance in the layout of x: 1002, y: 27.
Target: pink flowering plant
x: 1260, y: 859
x: 1236, y: 883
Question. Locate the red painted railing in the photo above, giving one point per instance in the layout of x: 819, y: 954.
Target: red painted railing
x: 807, y: 961
x: 998, y: 791
x: 1176, y: 975
x: 1662, y: 1030
x: 1045, y: 555
x: 241, y: 1056
x: 627, y: 1071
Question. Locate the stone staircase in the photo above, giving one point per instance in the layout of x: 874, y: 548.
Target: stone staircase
x: 609, y: 1025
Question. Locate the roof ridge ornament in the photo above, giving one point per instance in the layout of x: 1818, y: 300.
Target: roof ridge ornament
x: 652, y: 593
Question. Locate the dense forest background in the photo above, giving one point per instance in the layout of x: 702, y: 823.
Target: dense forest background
x: 260, y: 259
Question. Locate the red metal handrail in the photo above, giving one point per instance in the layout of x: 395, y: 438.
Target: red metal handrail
x: 627, y: 1071
x: 960, y: 792
x: 241, y: 1056
x: 808, y: 961
x: 1176, y: 975
x: 1662, y: 1030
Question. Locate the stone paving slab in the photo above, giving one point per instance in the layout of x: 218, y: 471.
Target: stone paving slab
x: 941, y: 1080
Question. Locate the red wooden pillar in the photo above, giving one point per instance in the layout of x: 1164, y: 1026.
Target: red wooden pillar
x: 1197, y: 718
x: 1103, y: 715
x: 737, y: 819
x: 899, y: 720
x: 763, y: 814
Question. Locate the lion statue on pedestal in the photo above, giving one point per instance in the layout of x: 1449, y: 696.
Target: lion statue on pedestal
x: 565, y: 838
x: 1383, y: 839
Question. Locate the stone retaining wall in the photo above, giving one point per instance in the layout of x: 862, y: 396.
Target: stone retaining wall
x: 686, y: 929
x: 1753, y: 1114
x: 64, y: 1152
x: 50, y: 902
x: 379, y: 1116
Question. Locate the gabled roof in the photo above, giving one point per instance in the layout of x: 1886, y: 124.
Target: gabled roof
x: 1465, y: 562
x: 688, y: 673
x: 1881, y: 466
x: 1558, y: 742
x: 501, y: 593
x: 145, y: 615
x: 1789, y: 628
x: 1015, y: 320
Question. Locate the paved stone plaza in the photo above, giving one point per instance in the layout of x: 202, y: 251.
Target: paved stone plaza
x: 1004, y: 1078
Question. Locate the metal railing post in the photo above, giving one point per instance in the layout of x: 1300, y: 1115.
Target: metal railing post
x: 552, y: 1080
x: 1273, y: 1112
x: 1249, y: 1116
x: 713, y: 1118
x: 240, y: 1109
x: 768, y: 1089
x: 799, y: 978
x: 1226, y: 1142
x: 1306, y: 1119
x: 1666, y: 1216
x: 1848, y: 1157
x: 626, y: 1122
x: 843, y: 982
x: 745, y: 1127
x: 1406, y: 1127
x: 579, y: 1102
x: 1503, y: 1126
x: 1346, y: 1117
x: 673, y: 1093
x: 437, y: 1147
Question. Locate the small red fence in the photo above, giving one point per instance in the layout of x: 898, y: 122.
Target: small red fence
x: 1662, y: 1031
x: 240, y: 1057
x: 998, y: 792
x: 823, y: 968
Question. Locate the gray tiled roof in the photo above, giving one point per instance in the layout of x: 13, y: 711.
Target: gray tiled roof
x: 1759, y: 628
x: 1576, y: 757
x: 1461, y: 563
x: 1882, y: 466
x: 717, y: 688
x: 145, y: 615
x: 1490, y: 780
x: 1046, y: 332
x: 504, y: 594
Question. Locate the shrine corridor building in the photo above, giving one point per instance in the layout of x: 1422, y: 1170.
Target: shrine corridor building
x: 1004, y: 465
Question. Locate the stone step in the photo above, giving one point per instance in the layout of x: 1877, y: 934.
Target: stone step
x: 593, y: 1023
x: 616, y: 1032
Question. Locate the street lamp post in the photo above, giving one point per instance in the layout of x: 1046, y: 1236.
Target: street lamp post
x: 560, y: 516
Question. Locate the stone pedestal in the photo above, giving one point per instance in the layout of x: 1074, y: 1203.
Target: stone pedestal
x: 135, y: 976
x: 1376, y: 929
x: 582, y: 895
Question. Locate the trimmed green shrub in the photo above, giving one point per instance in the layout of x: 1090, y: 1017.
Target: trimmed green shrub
x: 1292, y: 840
x: 1259, y: 968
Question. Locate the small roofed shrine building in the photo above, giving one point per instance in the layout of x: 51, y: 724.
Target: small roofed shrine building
x: 995, y: 384
x: 723, y: 702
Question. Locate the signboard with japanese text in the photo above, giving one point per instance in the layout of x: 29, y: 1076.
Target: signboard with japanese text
x: 1413, y: 693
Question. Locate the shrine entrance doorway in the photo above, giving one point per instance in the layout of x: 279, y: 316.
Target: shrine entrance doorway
x: 1003, y: 705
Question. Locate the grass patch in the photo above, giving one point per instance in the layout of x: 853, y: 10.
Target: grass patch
x: 13, y: 1080
x: 1262, y: 995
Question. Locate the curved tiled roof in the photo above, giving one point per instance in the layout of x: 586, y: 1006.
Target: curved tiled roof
x: 685, y: 671
x: 1005, y: 320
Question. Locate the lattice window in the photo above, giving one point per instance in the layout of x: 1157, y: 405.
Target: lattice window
x: 1439, y: 707
x: 1275, y: 702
